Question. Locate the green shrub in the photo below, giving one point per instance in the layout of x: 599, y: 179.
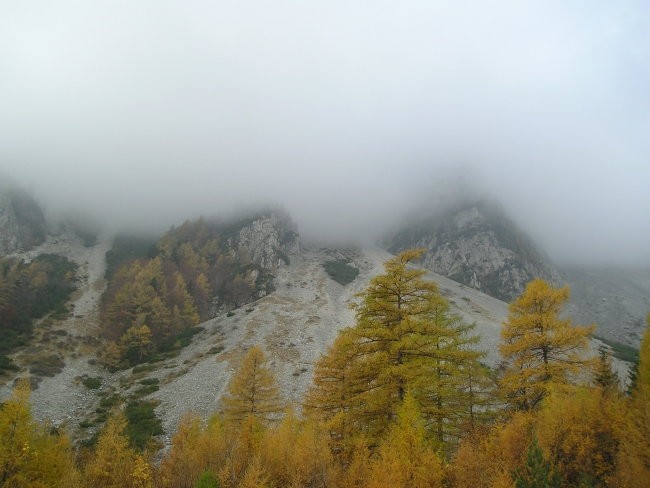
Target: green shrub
x: 145, y: 390
x: 150, y: 381
x: 110, y: 401
x: 207, y: 480
x: 48, y: 365
x: 162, y: 356
x: 7, y: 364
x: 620, y: 351
x: 91, y: 383
x: 340, y: 271
x: 181, y: 340
x: 101, y: 417
x: 142, y: 423
x: 144, y: 368
x: 91, y: 442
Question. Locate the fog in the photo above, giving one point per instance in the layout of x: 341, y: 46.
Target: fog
x: 348, y: 113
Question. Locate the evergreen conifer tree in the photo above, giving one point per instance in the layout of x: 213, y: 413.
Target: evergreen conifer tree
x: 537, y: 472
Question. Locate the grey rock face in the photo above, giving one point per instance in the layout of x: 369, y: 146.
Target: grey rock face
x: 22, y: 224
x: 267, y: 241
x: 479, y: 246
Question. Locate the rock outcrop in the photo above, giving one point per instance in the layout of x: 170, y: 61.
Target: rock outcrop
x: 267, y: 240
x: 22, y: 223
x: 477, y: 245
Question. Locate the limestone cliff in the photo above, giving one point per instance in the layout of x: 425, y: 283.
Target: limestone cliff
x: 267, y: 239
x: 478, y: 245
x: 22, y: 224
x: 260, y: 244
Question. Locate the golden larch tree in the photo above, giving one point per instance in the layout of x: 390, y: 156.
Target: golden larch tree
x: 579, y: 430
x: 634, y: 458
x: 538, y: 347
x: 136, y: 343
x: 404, y: 458
x: 642, y: 392
x: 333, y: 395
x: 296, y: 453
x: 113, y: 462
x: 252, y: 391
x: 405, y: 338
x: 31, y: 454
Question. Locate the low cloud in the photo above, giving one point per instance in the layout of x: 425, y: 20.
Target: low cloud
x: 349, y: 114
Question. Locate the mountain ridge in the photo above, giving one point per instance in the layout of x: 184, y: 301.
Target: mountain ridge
x: 294, y: 320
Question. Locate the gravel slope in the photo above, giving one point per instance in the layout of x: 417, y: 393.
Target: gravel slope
x: 62, y: 398
x: 295, y: 325
x: 617, y: 300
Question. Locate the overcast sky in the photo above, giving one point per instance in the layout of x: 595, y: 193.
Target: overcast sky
x: 348, y: 113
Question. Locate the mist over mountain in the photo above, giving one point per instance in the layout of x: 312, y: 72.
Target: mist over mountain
x: 160, y: 324
x: 203, y: 213
x: 468, y: 236
x: 475, y: 242
x: 347, y: 116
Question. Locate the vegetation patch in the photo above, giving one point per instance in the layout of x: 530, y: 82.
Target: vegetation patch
x: 620, y: 351
x: 158, y: 292
x: 7, y: 364
x: 150, y: 381
x: 207, y: 480
x: 47, y: 365
x: 169, y: 349
x: 91, y: 442
x: 110, y: 401
x: 91, y: 383
x: 145, y: 390
x: 341, y: 271
x: 29, y: 291
x: 181, y: 340
x: 127, y: 249
x: 144, y: 368
x: 142, y: 423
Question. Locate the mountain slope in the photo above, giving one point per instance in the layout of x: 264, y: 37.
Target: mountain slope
x: 295, y: 325
x: 617, y: 300
x: 294, y: 320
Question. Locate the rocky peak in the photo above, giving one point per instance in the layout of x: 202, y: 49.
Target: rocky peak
x: 267, y: 239
x: 22, y: 224
x: 478, y: 245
